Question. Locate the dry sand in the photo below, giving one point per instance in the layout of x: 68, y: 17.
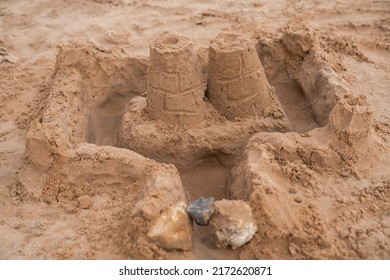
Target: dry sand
x: 84, y: 170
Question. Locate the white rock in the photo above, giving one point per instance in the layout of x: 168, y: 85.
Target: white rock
x: 233, y: 223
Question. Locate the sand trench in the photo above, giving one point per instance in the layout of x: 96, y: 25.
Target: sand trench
x: 113, y: 123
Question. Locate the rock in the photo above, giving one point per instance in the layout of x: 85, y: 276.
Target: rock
x: 232, y: 223
x: 85, y: 202
x: 201, y: 210
x: 173, y: 228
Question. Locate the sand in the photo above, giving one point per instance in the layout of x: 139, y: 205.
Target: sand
x: 85, y: 169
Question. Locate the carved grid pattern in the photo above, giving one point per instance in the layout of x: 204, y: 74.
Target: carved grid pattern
x: 176, y: 94
x: 241, y: 80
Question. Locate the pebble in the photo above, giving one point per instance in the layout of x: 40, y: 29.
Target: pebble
x: 201, y: 210
x: 232, y: 223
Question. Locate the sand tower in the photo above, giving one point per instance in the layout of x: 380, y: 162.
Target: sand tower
x: 237, y: 85
x: 175, y: 88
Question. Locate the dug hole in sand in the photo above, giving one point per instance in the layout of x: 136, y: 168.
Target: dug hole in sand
x: 127, y: 143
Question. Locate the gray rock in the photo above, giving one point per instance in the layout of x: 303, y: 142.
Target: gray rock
x: 233, y: 223
x: 201, y: 210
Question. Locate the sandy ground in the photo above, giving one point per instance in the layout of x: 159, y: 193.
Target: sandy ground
x: 348, y: 216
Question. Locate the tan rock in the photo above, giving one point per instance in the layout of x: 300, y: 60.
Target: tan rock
x: 233, y: 223
x: 173, y: 229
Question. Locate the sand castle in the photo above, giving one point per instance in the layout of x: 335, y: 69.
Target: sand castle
x: 240, y: 101
x: 175, y: 89
x: 97, y: 147
x: 237, y: 85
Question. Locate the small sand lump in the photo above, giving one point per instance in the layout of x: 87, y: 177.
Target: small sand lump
x: 85, y: 202
x: 233, y: 223
x: 201, y: 210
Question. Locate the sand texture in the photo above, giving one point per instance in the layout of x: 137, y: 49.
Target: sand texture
x: 116, y: 114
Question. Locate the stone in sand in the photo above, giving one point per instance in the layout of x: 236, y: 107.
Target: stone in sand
x: 201, y: 210
x: 233, y: 223
x: 173, y: 228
